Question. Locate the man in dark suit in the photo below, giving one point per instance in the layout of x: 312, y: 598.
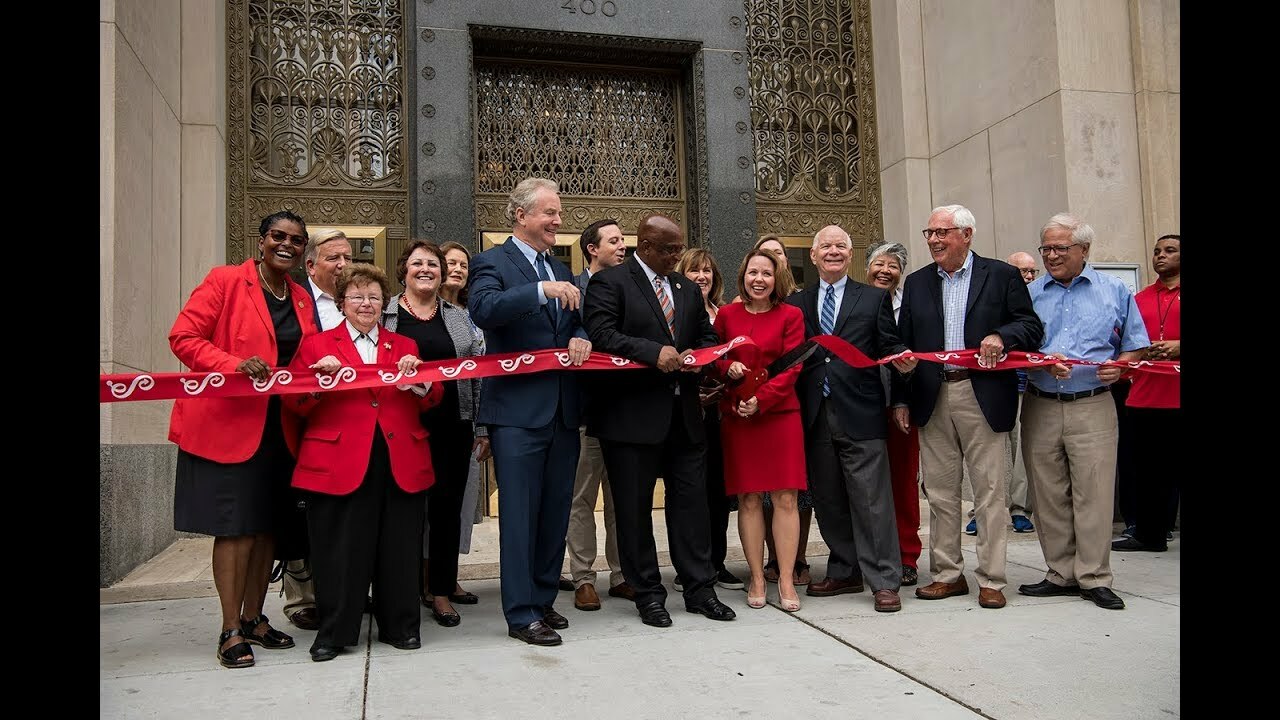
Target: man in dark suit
x: 525, y: 299
x: 962, y: 300
x: 642, y: 311
x: 603, y: 247
x: 845, y: 427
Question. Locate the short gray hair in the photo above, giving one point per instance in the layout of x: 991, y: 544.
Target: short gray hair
x: 1081, y: 231
x: 960, y: 215
x: 320, y: 238
x: 522, y: 196
x: 892, y: 249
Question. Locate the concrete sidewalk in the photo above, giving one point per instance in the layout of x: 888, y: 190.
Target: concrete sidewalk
x: 836, y: 658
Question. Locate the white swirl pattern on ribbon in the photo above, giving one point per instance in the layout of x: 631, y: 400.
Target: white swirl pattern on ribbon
x: 391, y: 378
x: 732, y: 343
x: 512, y: 364
x: 563, y: 358
x: 195, y: 387
x: 284, y: 377
x: 452, y: 372
x: 344, y: 374
x: 948, y: 356
x: 619, y: 361
x: 121, y: 391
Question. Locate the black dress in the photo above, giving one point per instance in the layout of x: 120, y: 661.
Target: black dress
x: 450, y: 438
x: 250, y: 497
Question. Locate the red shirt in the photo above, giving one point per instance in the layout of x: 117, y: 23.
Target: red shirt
x: 1161, y: 310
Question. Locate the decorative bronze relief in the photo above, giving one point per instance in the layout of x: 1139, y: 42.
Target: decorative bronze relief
x: 604, y: 133
x: 315, y: 113
x: 812, y: 116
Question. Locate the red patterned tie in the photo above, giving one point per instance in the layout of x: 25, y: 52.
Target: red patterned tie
x: 668, y: 310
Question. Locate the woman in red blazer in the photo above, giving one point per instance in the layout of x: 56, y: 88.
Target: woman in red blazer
x: 366, y: 462
x: 234, y: 454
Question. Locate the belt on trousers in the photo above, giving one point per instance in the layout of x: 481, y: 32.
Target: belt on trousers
x: 1067, y: 397
x: 955, y: 375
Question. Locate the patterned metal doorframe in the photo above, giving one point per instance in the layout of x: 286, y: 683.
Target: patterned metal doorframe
x: 315, y: 115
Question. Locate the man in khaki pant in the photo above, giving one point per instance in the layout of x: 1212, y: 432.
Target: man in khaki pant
x: 1068, y: 421
x: 603, y: 247
x: 962, y: 300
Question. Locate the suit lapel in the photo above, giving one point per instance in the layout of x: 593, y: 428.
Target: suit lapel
x: 676, y: 304
x: 975, y: 282
x: 851, y: 293
x: 935, y: 289
x: 810, y: 306
x: 259, y: 300
x: 647, y: 291
x: 346, y: 348
x: 518, y: 259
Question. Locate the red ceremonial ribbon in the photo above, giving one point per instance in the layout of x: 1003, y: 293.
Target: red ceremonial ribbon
x: 132, y: 387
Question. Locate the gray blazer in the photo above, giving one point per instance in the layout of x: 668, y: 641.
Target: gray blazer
x: 466, y: 343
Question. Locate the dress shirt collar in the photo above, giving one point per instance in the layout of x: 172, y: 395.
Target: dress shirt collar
x: 373, y: 334
x: 838, y: 285
x: 648, y: 271
x: 530, y: 254
x: 967, y: 267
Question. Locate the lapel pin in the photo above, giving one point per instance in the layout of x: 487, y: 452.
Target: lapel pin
x: 386, y: 346
x: 677, y: 286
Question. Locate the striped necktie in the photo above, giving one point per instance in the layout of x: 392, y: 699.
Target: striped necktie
x: 552, y: 304
x: 668, y: 310
x: 827, y: 323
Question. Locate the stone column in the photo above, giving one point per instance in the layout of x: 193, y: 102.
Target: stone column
x: 162, y: 113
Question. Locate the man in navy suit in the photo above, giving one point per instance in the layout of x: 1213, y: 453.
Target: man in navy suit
x: 652, y: 425
x: 962, y: 300
x: 524, y: 299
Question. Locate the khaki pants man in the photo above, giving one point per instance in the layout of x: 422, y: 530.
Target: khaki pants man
x: 581, y: 538
x: 1070, y: 451
x: 957, y: 431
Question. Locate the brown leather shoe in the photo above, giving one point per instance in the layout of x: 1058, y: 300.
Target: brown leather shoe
x: 585, y: 597
x: 828, y: 586
x: 939, y: 590
x: 888, y: 601
x: 623, y: 590
x: 989, y: 598
x: 306, y: 619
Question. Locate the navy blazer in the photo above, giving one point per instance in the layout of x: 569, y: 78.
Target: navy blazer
x: 865, y: 321
x: 624, y: 318
x: 503, y: 301
x: 998, y: 302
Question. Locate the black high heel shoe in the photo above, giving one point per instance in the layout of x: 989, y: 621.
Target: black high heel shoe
x: 272, y: 639
x: 230, y: 658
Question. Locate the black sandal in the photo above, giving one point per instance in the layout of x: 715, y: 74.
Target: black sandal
x: 272, y: 639
x: 230, y: 658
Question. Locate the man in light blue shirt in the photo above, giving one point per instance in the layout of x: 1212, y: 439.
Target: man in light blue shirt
x: 1068, y: 419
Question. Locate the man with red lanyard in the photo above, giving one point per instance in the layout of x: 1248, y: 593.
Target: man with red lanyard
x: 1155, y: 402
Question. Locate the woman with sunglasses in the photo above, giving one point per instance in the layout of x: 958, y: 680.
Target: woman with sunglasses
x: 234, y: 454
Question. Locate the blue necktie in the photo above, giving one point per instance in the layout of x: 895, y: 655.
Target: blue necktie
x: 552, y: 304
x: 827, y: 323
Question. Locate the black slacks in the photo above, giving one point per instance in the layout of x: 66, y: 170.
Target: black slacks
x: 1157, y: 435
x: 372, y: 535
x: 451, y: 459
x: 717, y: 501
x: 633, y: 471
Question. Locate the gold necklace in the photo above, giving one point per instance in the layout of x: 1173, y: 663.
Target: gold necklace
x: 281, y: 297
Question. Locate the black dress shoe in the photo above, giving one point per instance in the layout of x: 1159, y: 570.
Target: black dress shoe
x: 321, y: 653
x: 1135, y: 545
x: 653, y: 613
x: 536, y: 633
x: 413, y: 642
x: 1044, y: 588
x: 446, y: 619
x: 712, y: 608
x: 1103, y: 598
x: 566, y: 585
x: 554, y: 619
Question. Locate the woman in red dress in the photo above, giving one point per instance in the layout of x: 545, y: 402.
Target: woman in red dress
x: 767, y: 416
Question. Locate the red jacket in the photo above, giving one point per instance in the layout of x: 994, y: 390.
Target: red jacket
x: 338, y: 438
x: 225, y: 322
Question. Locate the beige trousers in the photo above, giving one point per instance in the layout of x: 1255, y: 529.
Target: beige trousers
x: 1021, y: 499
x: 298, y: 595
x: 581, y: 538
x: 1070, y: 451
x: 958, y: 435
